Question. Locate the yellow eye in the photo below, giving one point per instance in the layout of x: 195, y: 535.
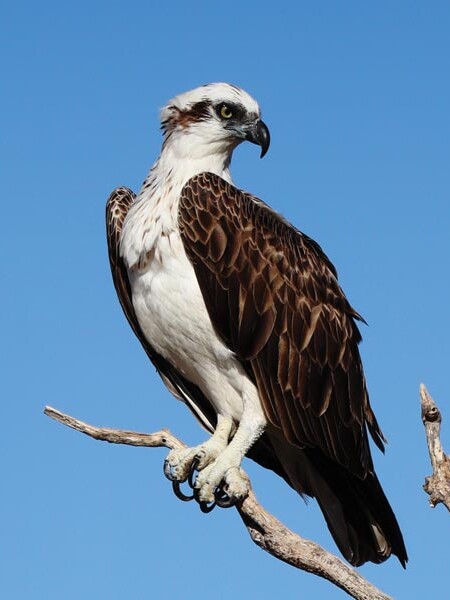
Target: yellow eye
x: 226, y: 112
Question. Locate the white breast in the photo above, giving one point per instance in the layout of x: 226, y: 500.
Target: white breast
x: 172, y: 314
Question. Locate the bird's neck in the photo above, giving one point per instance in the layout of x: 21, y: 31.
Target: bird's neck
x: 178, y: 162
x: 155, y: 210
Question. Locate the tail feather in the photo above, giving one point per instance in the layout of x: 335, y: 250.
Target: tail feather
x: 356, y: 511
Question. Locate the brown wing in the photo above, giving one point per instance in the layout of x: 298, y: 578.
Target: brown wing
x: 117, y: 207
x: 273, y: 297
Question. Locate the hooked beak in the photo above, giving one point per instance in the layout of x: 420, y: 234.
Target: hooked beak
x: 259, y: 134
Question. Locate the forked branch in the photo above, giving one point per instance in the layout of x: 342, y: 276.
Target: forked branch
x: 264, y: 529
x: 437, y: 486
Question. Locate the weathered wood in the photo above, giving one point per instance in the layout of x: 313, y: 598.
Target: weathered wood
x: 264, y: 529
x: 437, y: 486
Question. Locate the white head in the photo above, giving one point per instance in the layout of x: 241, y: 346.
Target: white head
x: 212, y: 119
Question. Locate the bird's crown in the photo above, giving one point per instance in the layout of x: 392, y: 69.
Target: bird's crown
x: 215, y: 101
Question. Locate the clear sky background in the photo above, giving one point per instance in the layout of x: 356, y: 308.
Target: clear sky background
x: 357, y: 99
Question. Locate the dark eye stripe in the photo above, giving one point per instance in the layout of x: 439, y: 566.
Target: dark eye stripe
x: 237, y: 109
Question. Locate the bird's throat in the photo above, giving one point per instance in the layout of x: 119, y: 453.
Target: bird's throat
x: 155, y: 210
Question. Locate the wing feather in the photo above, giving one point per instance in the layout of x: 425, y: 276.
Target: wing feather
x: 288, y: 321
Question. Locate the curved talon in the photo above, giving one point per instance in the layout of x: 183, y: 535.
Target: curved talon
x: 223, y: 500
x: 168, y: 471
x: 179, y: 494
x: 205, y: 507
x: 192, y: 470
x: 196, y: 492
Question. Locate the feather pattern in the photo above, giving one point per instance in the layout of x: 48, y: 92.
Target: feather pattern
x: 273, y: 297
x: 117, y: 207
x: 266, y: 295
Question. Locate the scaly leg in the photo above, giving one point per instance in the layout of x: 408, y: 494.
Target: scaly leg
x: 177, y: 465
x: 224, y: 472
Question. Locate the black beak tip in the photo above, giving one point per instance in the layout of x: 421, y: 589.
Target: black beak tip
x: 263, y: 138
x: 259, y: 134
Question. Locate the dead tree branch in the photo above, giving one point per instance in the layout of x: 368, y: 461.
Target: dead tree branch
x: 264, y: 529
x: 438, y: 484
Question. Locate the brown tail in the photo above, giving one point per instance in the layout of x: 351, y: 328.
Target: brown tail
x: 357, y: 511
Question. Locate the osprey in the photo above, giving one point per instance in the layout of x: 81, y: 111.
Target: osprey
x: 243, y: 317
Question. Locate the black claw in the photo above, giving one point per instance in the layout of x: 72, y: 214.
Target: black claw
x: 226, y: 502
x: 196, y: 495
x: 179, y: 494
x: 223, y: 500
x: 205, y: 507
x: 192, y: 471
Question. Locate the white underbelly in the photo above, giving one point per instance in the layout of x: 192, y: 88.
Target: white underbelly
x: 173, y: 317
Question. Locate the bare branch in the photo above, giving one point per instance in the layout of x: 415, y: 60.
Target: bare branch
x: 438, y: 484
x: 264, y: 529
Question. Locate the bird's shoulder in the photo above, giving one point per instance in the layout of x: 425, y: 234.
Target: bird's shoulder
x: 228, y: 227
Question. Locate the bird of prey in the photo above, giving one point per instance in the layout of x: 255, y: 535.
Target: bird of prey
x: 244, y: 319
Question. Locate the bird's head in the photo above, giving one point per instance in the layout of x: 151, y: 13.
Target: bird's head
x: 213, y: 119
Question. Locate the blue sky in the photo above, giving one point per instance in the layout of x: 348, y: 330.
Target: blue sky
x: 357, y: 99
